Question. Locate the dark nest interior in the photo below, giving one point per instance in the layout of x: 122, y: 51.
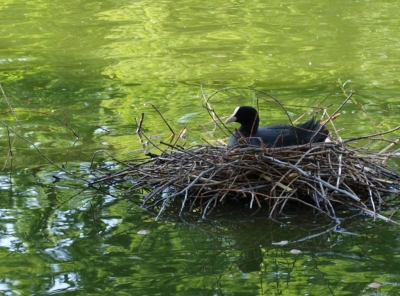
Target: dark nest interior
x: 327, y: 177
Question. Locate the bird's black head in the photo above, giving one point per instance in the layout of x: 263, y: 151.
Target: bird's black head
x: 248, y: 118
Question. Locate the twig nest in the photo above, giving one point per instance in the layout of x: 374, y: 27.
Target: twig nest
x: 324, y: 176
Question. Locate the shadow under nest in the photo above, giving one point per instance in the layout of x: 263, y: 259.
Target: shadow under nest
x: 327, y: 177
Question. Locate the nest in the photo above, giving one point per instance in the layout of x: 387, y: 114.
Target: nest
x: 327, y: 177
x: 322, y: 176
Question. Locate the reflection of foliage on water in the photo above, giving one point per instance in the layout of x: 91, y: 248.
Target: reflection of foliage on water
x: 95, y: 64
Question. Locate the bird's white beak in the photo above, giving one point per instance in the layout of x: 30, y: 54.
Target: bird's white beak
x: 231, y: 119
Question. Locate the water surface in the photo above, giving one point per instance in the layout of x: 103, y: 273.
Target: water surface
x: 78, y: 73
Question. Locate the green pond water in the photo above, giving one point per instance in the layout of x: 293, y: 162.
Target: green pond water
x: 77, y: 74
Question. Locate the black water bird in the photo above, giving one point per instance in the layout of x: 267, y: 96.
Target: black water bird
x: 249, y: 133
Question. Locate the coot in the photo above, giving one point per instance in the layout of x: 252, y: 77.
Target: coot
x: 274, y: 136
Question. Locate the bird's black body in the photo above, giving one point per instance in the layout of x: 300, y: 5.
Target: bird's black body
x: 249, y: 133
